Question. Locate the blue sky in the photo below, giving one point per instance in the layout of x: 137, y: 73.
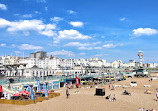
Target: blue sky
x: 107, y: 29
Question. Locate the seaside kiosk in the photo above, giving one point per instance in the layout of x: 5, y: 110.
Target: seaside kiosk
x: 100, y: 92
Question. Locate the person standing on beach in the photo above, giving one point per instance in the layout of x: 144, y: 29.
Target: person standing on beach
x: 67, y: 93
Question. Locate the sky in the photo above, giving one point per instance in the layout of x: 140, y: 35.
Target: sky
x: 107, y: 29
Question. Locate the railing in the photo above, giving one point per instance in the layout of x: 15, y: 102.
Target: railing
x: 22, y: 80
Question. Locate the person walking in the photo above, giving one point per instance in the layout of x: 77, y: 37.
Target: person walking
x: 67, y: 93
x: 151, y: 79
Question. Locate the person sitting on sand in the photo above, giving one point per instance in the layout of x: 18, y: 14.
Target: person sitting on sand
x: 110, y: 99
x: 114, y: 98
x: 145, y: 91
x: 148, y: 92
x: 107, y: 97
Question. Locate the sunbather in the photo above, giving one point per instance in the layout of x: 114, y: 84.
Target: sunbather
x: 107, y: 97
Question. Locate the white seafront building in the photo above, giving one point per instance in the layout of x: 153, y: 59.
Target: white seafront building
x: 38, y: 64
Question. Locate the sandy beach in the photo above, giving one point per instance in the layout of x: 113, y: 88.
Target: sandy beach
x: 84, y: 99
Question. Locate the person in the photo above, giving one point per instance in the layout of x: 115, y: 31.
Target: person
x: 110, y: 99
x: 109, y: 86
x: 107, y: 97
x: 67, y: 93
x: 112, y: 88
x: 148, y: 92
x: 114, y: 98
x: 145, y: 91
x: 125, y: 92
x: 157, y: 95
x: 113, y: 85
x: 151, y: 79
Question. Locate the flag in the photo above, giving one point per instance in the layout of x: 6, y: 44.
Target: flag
x: 29, y: 89
x: 32, y: 95
x: 39, y: 86
x: 45, y: 89
x: 1, y: 90
x: 77, y: 81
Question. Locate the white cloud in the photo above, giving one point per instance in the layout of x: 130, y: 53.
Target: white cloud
x: 78, y: 44
x: 17, y: 52
x: 26, y: 33
x: 29, y: 47
x: 2, y: 45
x: 41, y: 1
x: 111, y: 45
x: 37, y: 12
x: 89, y: 48
x: 29, y: 25
x: 46, y: 9
x: 16, y: 14
x: 97, y: 47
x: 27, y: 16
x: 85, y: 48
x: 122, y: 19
x: 62, y: 53
x: 4, y: 23
x: 56, y: 19
x: 77, y: 24
x: 70, y: 34
x: 3, y: 6
x: 102, y: 36
x: 13, y: 45
x: 144, y: 31
x: 82, y: 53
x: 71, y: 11
x: 98, y: 55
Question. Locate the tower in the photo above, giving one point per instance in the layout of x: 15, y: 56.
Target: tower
x: 140, y: 55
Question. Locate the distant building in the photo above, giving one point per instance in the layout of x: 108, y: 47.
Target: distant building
x: 39, y: 55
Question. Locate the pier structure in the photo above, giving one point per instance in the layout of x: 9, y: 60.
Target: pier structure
x: 140, y: 55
